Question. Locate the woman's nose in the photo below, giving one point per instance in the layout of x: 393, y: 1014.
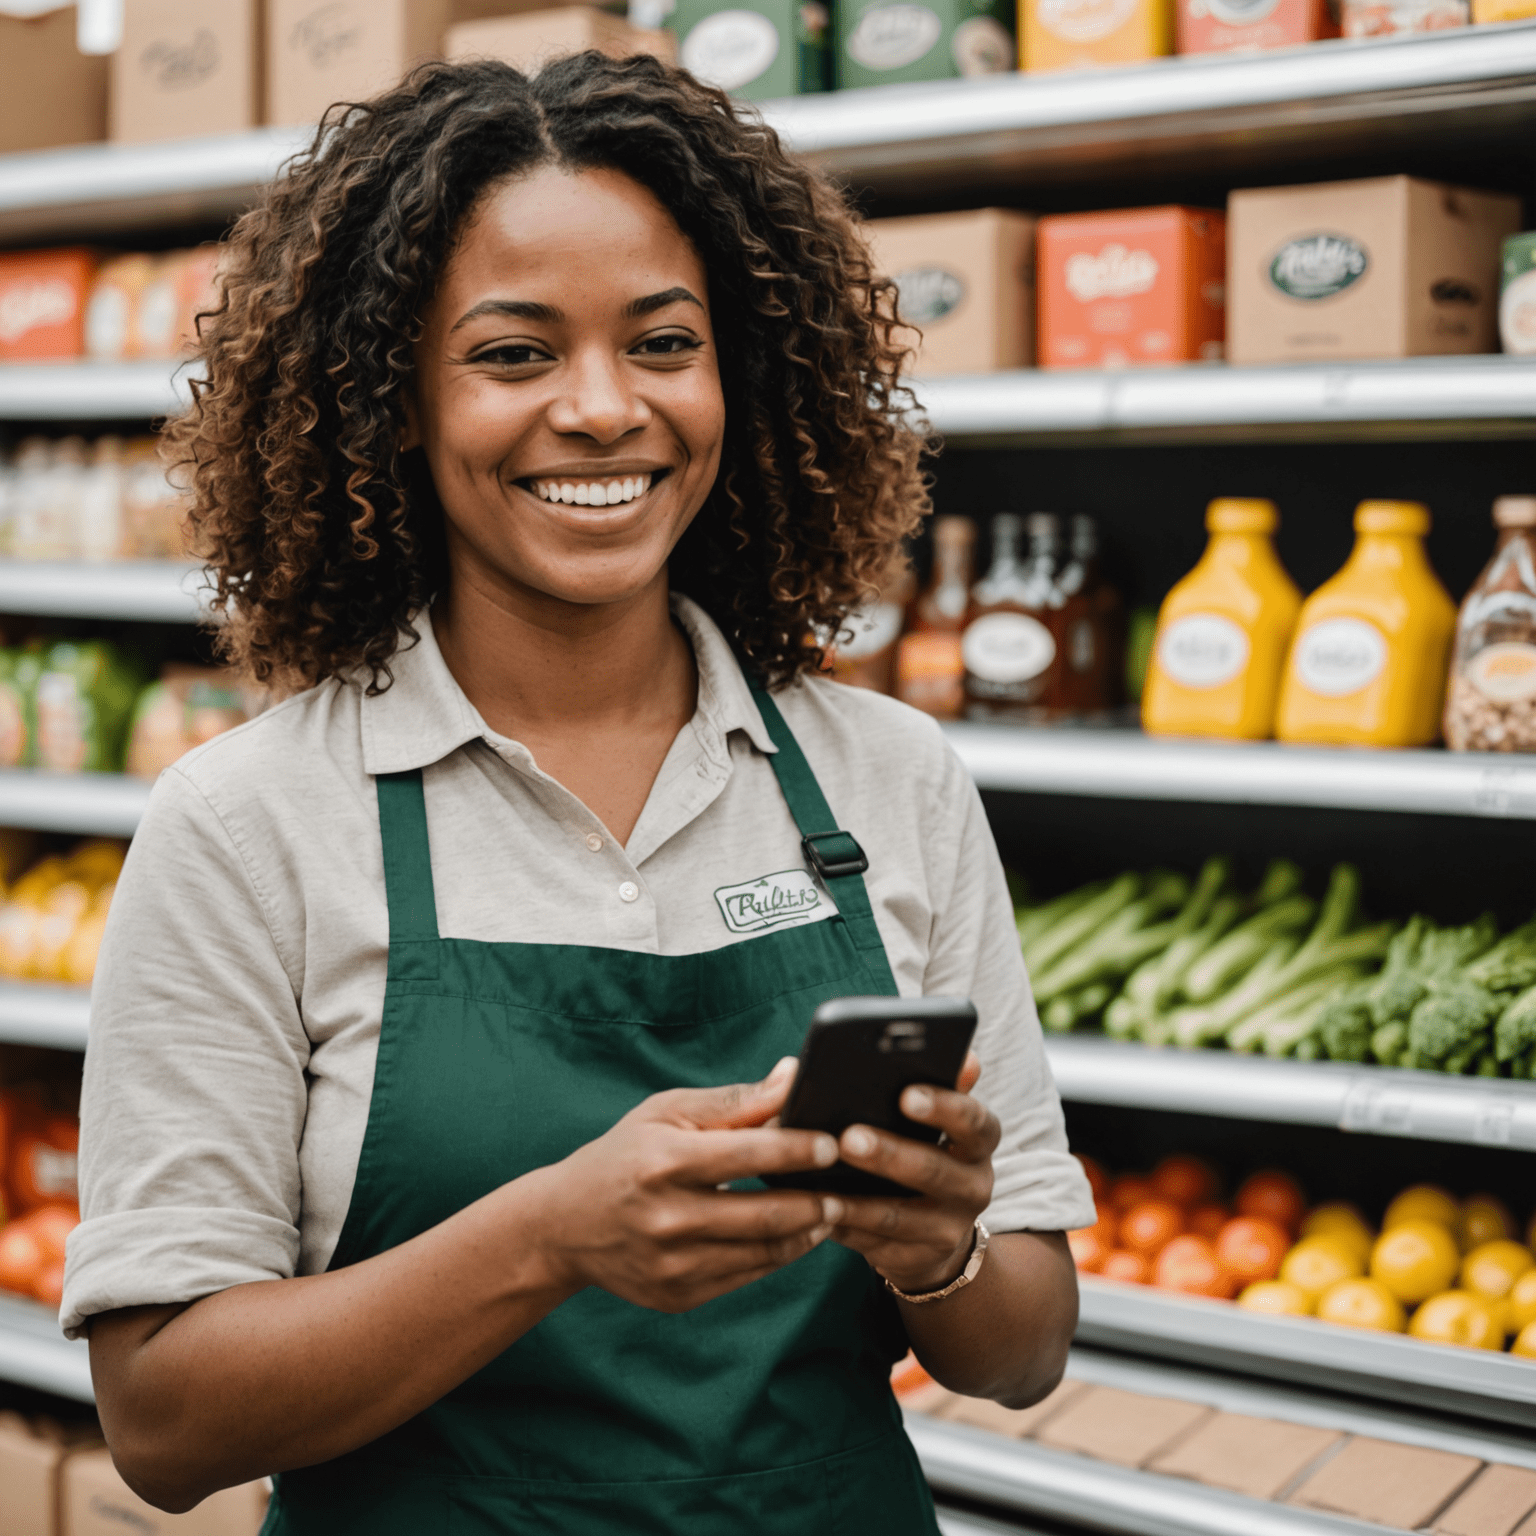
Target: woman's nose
x: 598, y: 402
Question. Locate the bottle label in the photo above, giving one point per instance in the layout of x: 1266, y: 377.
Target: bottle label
x: 871, y: 630
x: 1007, y: 648
x: 893, y: 36
x: 731, y: 49
x: 1202, y: 650
x: 1340, y: 656
x: 1505, y: 672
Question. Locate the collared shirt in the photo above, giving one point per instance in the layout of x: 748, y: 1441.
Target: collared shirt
x: 235, y: 1014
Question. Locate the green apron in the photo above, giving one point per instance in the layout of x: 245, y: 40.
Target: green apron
x: 766, y: 1412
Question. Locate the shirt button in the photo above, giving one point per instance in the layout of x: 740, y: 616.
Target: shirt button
x: 594, y: 842
x: 629, y: 891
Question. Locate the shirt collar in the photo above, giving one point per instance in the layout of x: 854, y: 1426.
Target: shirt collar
x: 423, y: 716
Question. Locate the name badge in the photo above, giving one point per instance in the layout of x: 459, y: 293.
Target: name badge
x: 790, y: 896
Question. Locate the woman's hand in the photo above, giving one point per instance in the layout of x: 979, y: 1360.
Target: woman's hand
x: 639, y: 1212
x: 922, y: 1244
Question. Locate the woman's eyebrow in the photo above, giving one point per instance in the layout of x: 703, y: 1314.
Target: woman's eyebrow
x: 516, y: 309
x: 636, y: 308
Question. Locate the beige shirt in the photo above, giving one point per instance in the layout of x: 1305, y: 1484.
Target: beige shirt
x: 235, y: 1014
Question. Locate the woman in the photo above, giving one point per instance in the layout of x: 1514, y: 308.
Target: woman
x: 408, y: 1168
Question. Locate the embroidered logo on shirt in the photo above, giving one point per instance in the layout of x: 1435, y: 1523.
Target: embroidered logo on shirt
x: 790, y: 896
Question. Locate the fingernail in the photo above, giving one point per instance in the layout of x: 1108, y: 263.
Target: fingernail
x: 831, y: 1209
x: 826, y: 1151
x: 820, y: 1234
x: 781, y: 1069
x: 917, y: 1102
x: 859, y: 1141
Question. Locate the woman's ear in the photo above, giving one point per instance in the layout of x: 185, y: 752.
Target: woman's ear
x: 410, y: 433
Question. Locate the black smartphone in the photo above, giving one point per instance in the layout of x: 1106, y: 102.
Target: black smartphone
x: 860, y: 1054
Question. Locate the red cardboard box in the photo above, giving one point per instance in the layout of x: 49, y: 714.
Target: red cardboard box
x: 1217, y: 26
x: 1138, y: 286
x: 42, y: 303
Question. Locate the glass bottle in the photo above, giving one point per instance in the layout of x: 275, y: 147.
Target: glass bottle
x: 930, y: 674
x: 1090, y: 624
x: 1011, y: 650
x: 863, y: 653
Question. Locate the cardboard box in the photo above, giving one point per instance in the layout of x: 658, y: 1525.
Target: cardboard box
x: 50, y: 92
x: 1135, y: 287
x: 1484, y: 11
x: 880, y: 43
x: 759, y: 50
x: 95, y: 1501
x: 1389, y: 267
x: 1123, y: 1427
x: 1388, y: 18
x: 1217, y: 26
x: 1517, y: 295
x: 1082, y: 34
x: 42, y: 303
x: 186, y: 68
x: 1398, y: 1485
x: 1258, y: 1457
x: 29, y: 1472
x: 323, y: 51
x: 1496, y: 1501
x: 1014, y: 1422
x: 967, y: 283
x: 529, y: 40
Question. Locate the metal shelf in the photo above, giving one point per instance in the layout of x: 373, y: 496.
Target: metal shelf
x: 1392, y: 1367
x: 33, y: 1353
x: 92, y: 804
x: 163, y: 591
x: 35, y: 1013
x: 91, y: 391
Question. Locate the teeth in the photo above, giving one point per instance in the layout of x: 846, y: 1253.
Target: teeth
x: 592, y: 493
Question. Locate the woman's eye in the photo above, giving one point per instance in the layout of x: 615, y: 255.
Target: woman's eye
x: 514, y: 356
x: 668, y: 346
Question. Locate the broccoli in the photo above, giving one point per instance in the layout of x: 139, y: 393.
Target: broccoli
x: 1344, y: 1025
x: 1279, y: 1026
x: 1450, y: 1019
x: 1389, y: 1042
x: 1510, y: 965
x: 1515, y: 1032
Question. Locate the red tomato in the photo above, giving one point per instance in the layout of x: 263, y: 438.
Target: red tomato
x: 1145, y: 1228
x: 1189, y: 1264
x: 1250, y: 1248
x: 1207, y: 1221
x: 1275, y: 1196
x: 1130, y: 1189
x: 1122, y: 1264
x: 1184, y: 1180
x: 1098, y: 1180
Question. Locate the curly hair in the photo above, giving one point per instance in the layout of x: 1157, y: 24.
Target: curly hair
x: 323, y: 537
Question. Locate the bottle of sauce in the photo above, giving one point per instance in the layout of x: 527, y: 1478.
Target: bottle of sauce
x: 1367, y: 666
x: 1012, y: 647
x: 1223, y: 632
x: 863, y: 653
x: 1090, y: 624
x: 1491, y: 703
x: 930, y: 674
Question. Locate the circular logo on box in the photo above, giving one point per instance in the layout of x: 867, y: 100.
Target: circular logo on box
x: 1318, y: 266
x: 893, y: 36
x: 927, y: 293
x: 1517, y: 314
x: 1240, y: 13
x: 1202, y: 650
x: 1505, y: 672
x: 730, y: 49
x: 983, y: 46
x: 1340, y: 656
x: 1083, y: 21
x: 1007, y: 648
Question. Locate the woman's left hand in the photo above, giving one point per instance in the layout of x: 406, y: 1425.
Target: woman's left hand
x: 921, y: 1243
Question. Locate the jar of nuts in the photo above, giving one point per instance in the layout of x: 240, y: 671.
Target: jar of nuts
x: 1491, y: 702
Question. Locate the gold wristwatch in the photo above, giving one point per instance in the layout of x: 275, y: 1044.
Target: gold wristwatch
x: 972, y: 1267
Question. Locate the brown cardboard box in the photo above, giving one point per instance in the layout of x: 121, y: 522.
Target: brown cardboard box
x: 483, y: 10
x: 325, y: 51
x: 980, y: 1413
x: 1258, y: 1457
x: 29, y: 1466
x: 529, y: 40
x: 1122, y: 1427
x: 967, y: 282
x: 185, y: 68
x: 1399, y: 1485
x: 50, y: 92
x: 1495, y: 1502
x: 97, y: 1502
x: 1389, y: 267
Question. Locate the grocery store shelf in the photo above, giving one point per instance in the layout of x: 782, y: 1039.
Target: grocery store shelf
x: 92, y: 804
x: 1456, y: 396
x: 34, y: 1014
x: 90, y: 391
x: 33, y: 1353
x: 1125, y: 765
x: 1384, y: 1101
x: 165, y: 591
x: 1387, y: 1366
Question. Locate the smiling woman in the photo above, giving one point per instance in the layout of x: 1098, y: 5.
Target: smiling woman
x: 432, y: 1084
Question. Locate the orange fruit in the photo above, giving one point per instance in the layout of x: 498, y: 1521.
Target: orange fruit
x: 49, y: 1286
x: 1525, y: 1342
x: 1279, y: 1298
x: 42, y: 1161
x: 1362, y: 1303
x: 1184, y: 1180
x: 1316, y: 1263
x: 1459, y: 1317
x: 1122, y: 1264
x: 1145, y: 1228
x: 1207, y: 1221
x: 51, y: 1225
x: 22, y: 1258
x: 1483, y: 1219
x: 1251, y: 1248
x: 1423, y: 1202
x: 1415, y: 1259
x: 1491, y: 1269
x: 1522, y: 1302
x: 1341, y: 1220
x: 1088, y: 1249
x: 1189, y: 1264
x: 1130, y: 1189
x: 1098, y: 1180
x: 1273, y: 1195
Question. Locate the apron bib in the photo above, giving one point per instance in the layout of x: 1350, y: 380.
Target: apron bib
x: 766, y: 1412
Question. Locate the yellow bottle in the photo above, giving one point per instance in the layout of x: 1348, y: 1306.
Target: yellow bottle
x: 1367, y: 667
x: 1223, y: 632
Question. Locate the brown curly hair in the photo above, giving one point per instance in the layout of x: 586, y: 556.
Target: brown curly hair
x: 323, y: 537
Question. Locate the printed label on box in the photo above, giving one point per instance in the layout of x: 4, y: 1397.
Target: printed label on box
x: 1318, y: 266
x: 1084, y: 21
x: 927, y: 294
x: 983, y: 46
x: 1340, y: 656
x: 731, y: 48
x: 1115, y: 272
x: 32, y: 303
x: 893, y: 36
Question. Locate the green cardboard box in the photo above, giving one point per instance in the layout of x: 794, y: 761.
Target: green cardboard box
x: 1517, y: 294
x: 760, y: 49
x: 879, y: 43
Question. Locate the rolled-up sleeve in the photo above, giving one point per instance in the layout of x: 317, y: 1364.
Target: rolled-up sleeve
x: 194, y: 1098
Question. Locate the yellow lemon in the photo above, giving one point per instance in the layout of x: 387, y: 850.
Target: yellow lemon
x: 1522, y: 1302
x: 1341, y: 1220
x: 1483, y: 1219
x: 1491, y: 1269
x: 1277, y: 1297
x: 1315, y: 1263
x: 1362, y: 1303
x: 1458, y: 1317
x: 1415, y: 1259
x: 1525, y: 1342
x: 1422, y: 1202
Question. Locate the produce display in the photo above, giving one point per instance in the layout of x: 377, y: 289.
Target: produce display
x: 39, y: 1143
x: 53, y: 915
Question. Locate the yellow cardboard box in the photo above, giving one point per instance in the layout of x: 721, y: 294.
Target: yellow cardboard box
x: 1080, y: 34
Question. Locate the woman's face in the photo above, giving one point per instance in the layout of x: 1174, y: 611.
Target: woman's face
x: 567, y: 394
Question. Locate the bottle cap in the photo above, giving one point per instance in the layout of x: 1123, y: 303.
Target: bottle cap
x: 954, y: 530
x: 1043, y: 525
x: 1515, y: 512
x: 1241, y: 514
x: 1392, y: 517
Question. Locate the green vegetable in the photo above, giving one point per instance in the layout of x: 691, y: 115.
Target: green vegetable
x: 1083, y: 919
x: 1510, y: 965
x: 1065, y: 1012
x: 1033, y: 921
x: 1389, y: 1042
x: 1451, y: 1023
x: 1240, y: 950
x: 1279, y: 1026
x: 1282, y: 878
x: 1121, y: 944
x: 1515, y: 1033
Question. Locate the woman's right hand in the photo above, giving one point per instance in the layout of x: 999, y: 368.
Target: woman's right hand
x: 640, y: 1212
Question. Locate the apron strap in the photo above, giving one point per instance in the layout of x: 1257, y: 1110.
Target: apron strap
x: 832, y: 854
x: 407, y: 856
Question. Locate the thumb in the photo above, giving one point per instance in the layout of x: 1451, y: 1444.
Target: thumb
x: 735, y: 1105
x: 969, y: 1073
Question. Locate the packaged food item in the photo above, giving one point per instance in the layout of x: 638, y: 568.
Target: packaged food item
x: 51, y: 920
x: 1219, y: 26
x: 1491, y: 699
x: 1367, y: 666
x: 112, y: 313
x: 1517, y: 295
x: 967, y: 286
x: 1078, y: 34
x: 528, y: 40
x: 864, y: 650
x: 197, y: 291
x: 18, y: 707
x: 1090, y: 625
x: 1223, y: 632
x: 188, y: 706
x: 50, y: 92
x: 85, y: 693
x: 99, y: 503
x: 53, y: 480
x: 930, y: 671
x: 1387, y: 267
x: 1384, y: 18
x: 154, y: 510
x: 1132, y: 286
x: 760, y: 50
x: 42, y: 303
x: 1484, y: 11
x: 881, y: 43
